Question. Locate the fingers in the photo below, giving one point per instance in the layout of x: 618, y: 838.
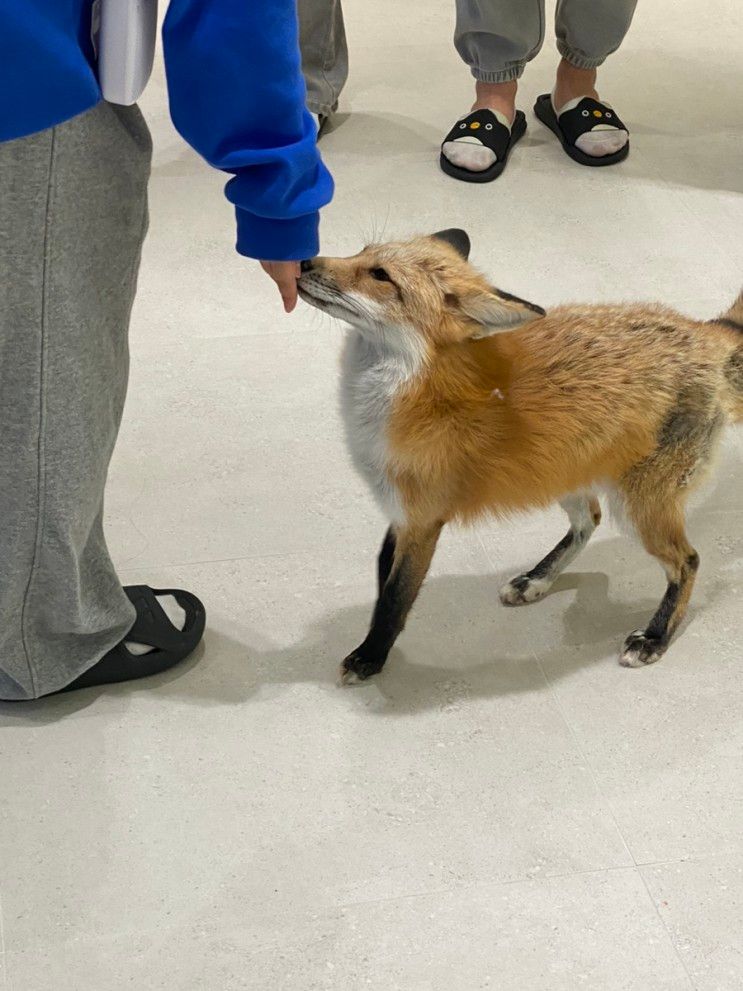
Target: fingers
x: 285, y: 275
x: 287, y: 284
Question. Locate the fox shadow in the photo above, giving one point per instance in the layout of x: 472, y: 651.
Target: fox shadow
x: 460, y: 642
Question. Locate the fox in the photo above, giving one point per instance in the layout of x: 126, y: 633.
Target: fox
x: 462, y: 401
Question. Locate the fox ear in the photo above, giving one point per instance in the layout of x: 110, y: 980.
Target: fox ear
x: 496, y: 311
x: 456, y: 239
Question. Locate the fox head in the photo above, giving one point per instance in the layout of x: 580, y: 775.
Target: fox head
x: 415, y: 296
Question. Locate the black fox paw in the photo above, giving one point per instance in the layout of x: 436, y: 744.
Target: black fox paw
x: 640, y: 649
x: 358, y: 667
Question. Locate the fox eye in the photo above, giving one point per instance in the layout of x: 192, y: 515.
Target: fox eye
x: 379, y: 274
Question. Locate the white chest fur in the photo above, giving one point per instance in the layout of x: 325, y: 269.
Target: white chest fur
x: 371, y: 379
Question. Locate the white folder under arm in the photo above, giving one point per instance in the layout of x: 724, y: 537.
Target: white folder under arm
x: 127, y: 31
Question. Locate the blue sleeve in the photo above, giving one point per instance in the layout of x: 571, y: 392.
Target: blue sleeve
x: 237, y: 96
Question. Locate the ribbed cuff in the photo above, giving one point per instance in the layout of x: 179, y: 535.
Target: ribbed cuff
x: 277, y: 240
x: 578, y: 59
x: 514, y: 71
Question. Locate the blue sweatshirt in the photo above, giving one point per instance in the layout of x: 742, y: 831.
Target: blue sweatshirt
x: 236, y: 95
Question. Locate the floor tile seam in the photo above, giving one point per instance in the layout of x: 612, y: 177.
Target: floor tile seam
x: 605, y: 801
x: 87, y: 938
x: 692, y: 984
x: 609, y: 807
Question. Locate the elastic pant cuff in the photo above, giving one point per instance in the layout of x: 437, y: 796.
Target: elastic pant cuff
x: 507, y: 75
x: 578, y: 59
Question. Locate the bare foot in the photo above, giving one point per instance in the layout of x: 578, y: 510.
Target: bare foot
x: 499, y: 97
x: 572, y: 83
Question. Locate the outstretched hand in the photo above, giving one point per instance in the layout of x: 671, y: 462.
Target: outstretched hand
x: 285, y: 275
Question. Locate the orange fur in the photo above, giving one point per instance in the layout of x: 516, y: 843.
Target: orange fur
x: 567, y: 402
x: 491, y: 417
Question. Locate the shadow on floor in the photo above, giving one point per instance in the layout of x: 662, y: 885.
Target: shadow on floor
x: 460, y: 644
x: 460, y: 641
x: 447, y: 654
x: 693, y: 150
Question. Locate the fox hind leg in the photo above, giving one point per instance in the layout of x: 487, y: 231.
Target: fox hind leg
x: 584, y: 514
x: 661, y: 528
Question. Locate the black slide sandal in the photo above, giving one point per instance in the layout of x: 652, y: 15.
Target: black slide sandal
x: 580, y: 120
x: 489, y: 131
x: 152, y: 628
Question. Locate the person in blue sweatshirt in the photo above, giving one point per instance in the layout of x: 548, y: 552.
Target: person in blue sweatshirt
x: 73, y: 215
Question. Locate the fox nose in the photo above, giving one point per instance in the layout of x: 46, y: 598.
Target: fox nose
x: 306, y: 265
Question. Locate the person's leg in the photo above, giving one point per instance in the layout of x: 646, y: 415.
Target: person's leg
x: 322, y: 39
x: 72, y: 220
x: 495, y: 38
x: 588, y: 31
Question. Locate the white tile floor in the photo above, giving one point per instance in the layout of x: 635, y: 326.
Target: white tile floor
x: 505, y: 807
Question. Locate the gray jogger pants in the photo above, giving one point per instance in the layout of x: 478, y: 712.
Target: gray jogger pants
x: 73, y: 213
x: 496, y: 38
x: 322, y: 38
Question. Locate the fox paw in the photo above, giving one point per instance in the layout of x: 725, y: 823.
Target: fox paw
x: 640, y: 650
x: 522, y: 590
x: 357, y: 667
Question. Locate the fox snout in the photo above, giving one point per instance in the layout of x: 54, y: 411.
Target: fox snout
x: 311, y: 268
x: 312, y: 272
x: 316, y: 284
x: 413, y: 296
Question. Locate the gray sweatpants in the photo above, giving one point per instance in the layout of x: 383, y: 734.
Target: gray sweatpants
x: 496, y: 38
x: 322, y: 38
x: 73, y: 214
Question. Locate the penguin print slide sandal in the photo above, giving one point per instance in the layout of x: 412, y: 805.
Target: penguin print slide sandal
x: 484, y: 139
x: 586, y: 123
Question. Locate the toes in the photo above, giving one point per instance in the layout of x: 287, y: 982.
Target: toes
x: 356, y: 667
x: 523, y: 590
x: 640, y: 650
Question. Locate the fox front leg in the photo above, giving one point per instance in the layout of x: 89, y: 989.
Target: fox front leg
x: 403, y: 565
